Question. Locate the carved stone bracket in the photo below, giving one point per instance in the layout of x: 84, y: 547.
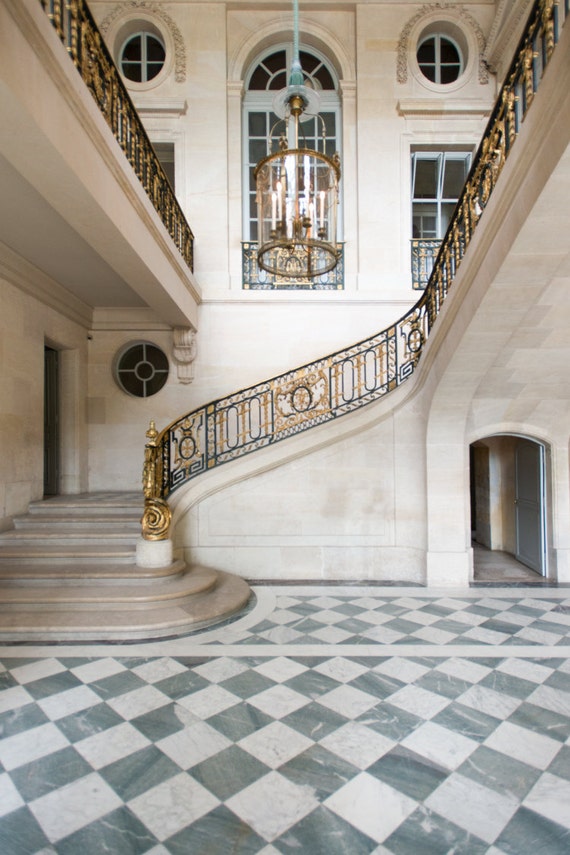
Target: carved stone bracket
x: 184, y: 353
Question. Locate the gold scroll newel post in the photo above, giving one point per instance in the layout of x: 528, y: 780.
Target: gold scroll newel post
x: 156, y: 515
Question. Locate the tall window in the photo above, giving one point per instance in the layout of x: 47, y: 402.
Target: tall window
x: 268, y: 77
x: 438, y: 179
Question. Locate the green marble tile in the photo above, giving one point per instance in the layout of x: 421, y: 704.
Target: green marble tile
x: 467, y: 721
x: 353, y: 625
x: 400, y: 624
x: 49, y: 773
x: 239, y: 721
x: 322, y: 832
x: 7, y: 681
x: 247, y: 684
x: 180, y: 685
x: 561, y: 764
x: 86, y: 723
x: 117, y: 832
x: 314, y: 720
x: 220, y: 832
x: 443, y: 684
x: 229, y: 772
x: 312, y: 684
x: 349, y: 609
x: 161, y: 722
x: 427, y: 833
x: 304, y: 625
x: 450, y: 625
x: 117, y: 684
x: 542, y: 721
x: 498, y: 625
x: 139, y: 772
x: 507, y: 684
x: 20, y: 719
x: 550, y: 626
x: 20, y: 833
x: 499, y: 772
x: 391, y: 721
x: 52, y: 685
x: 319, y: 769
x: 559, y: 680
x: 527, y: 832
x: 377, y: 684
x: 408, y: 772
x: 434, y: 609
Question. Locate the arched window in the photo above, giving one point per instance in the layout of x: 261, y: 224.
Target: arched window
x: 268, y: 76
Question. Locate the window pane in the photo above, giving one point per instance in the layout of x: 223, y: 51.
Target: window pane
x: 426, y: 179
x: 424, y: 221
x: 259, y: 78
x: 449, y: 52
x: 449, y: 73
x: 133, y: 71
x: 154, y: 50
x: 152, y: 70
x: 279, y: 81
x: 257, y: 150
x: 454, y: 178
x: 276, y: 61
x: 132, y: 49
x: 158, y: 359
x: 257, y: 124
x: 426, y: 51
x: 447, y: 210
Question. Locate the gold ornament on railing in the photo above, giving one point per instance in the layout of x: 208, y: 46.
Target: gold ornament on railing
x: 157, y: 516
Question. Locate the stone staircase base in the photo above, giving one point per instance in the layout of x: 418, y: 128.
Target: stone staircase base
x: 68, y: 573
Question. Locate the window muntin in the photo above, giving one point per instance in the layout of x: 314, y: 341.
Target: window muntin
x: 141, y: 369
x: 270, y: 75
x: 439, y: 58
x: 142, y: 57
x: 438, y: 179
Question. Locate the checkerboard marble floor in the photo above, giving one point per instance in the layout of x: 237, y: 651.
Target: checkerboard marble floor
x: 325, y: 720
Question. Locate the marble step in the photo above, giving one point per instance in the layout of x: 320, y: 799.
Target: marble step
x: 143, y: 621
x: 66, y: 552
x: 83, y: 572
x: 175, y: 587
x: 102, y: 503
x: 42, y: 523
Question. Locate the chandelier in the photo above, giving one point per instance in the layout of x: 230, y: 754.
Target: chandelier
x: 297, y: 186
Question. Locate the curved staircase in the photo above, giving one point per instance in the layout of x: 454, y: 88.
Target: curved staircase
x: 68, y: 572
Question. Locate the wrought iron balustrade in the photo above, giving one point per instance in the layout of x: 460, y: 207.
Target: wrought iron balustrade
x: 78, y: 31
x: 349, y: 379
x: 424, y: 253
x: 255, y: 279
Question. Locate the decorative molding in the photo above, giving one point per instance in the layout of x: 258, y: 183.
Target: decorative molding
x: 184, y: 352
x: 424, y: 12
x: 170, y: 108
x: 128, y: 10
x: 507, y: 25
x: 432, y: 107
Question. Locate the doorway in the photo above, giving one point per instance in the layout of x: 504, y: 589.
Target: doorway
x: 51, y: 421
x: 508, y: 507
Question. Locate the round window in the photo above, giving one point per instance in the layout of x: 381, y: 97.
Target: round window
x: 142, y: 57
x: 141, y: 369
x: 439, y: 59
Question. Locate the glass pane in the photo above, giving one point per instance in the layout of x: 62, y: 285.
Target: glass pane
x: 279, y: 81
x: 330, y: 123
x: 447, y: 210
x: 132, y: 49
x: 257, y: 150
x: 308, y: 61
x: 156, y: 357
x: 259, y: 78
x: 132, y: 71
x: 449, y: 73
x: 424, y: 221
x: 426, y: 51
x: 156, y: 383
x: 154, y: 49
x: 455, y: 173
x: 131, y: 383
x: 152, y: 69
x: 325, y: 78
x: 257, y: 124
x: 426, y: 178
x: 131, y: 358
x: 276, y: 61
x: 448, y: 52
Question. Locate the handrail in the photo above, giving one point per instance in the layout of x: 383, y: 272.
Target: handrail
x: 80, y: 35
x: 349, y: 379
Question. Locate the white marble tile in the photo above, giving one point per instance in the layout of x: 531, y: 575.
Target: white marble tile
x: 401, y: 669
x: 469, y: 618
x: 209, y: 701
x: 65, y: 703
x: 358, y: 744
x: 434, y: 635
x: 284, y: 616
x: 423, y: 618
x: 171, y: 806
x: 419, y: 701
x: 219, y: 669
x: 371, y: 806
x: 281, y: 635
x: 538, y: 636
x: 280, y: 669
x: 477, y: 809
x: 113, y: 744
x: 36, y: 670
x: 551, y: 699
x: 328, y: 616
x: 486, y: 636
x: 550, y: 797
x: 273, y: 804
x: 525, y: 670
x: 138, y: 702
x: 30, y: 745
x: 331, y: 635
x: 325, y: 602
x: 557, y: 617
x: 10, y: 798
x: 68, y: 809
x: 453, y: 603
x: 382, y: 634
x: 195, y: 743
x: 410, y: 603
x: 472, y: 672
x: 159, y: 669
x: 374, y: 618
x: 89, y: 672
x: 275, y: 744
x: 278, y: 701
x: 348, y: 701
x: 525, y: 745
x: 442, y: 746
x: 369, y: 602
x: 14, y: 698
x: 340, y: 669
x: 489, y: 701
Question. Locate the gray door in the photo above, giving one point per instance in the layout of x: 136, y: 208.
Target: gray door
x: 529, y: 504
x: 51, y: 422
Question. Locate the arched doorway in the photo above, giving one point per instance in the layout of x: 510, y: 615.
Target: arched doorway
x: 508, y: 508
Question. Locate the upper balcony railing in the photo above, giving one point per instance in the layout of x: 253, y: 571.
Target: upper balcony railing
x: 79, y: 33
x: 255, y: 279
x: 349, y: 379
x: 424, y: 254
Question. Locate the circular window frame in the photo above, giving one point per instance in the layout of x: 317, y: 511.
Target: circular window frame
x: 460, y: 39
x: 137, y: 26
x: 122, y: 353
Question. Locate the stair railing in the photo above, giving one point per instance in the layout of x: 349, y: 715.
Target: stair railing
x: 81, y: 37
x: 337, y: 384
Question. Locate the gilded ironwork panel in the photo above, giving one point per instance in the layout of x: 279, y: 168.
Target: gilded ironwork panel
x: 256, y: 279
